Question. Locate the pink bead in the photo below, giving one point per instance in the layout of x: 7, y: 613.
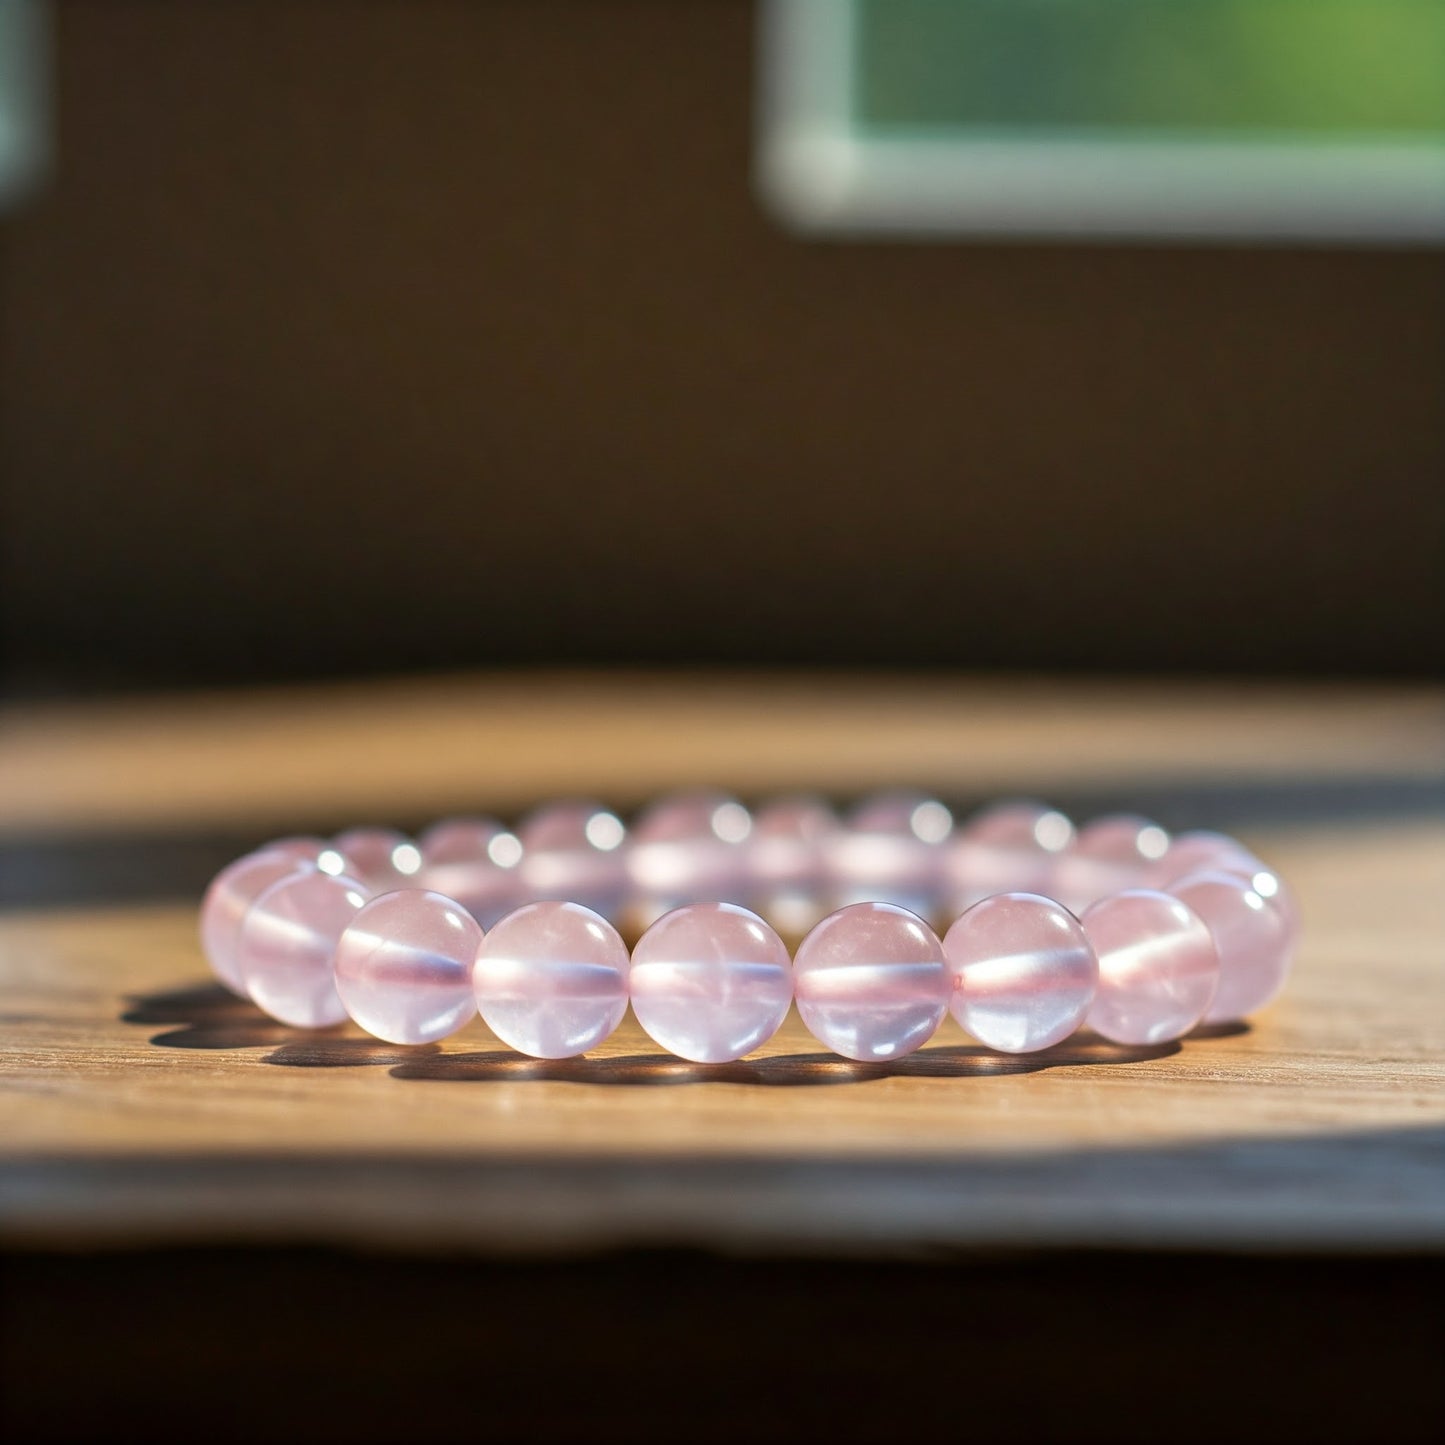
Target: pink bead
x: 475, y: 861
x: 1010, y: 848
x: 381, y: 857
x: 1198, y: 852
x: 233, y: 890
x: 689, y: 849
x: 710, y: 982
x: 1255, y: 941
x: 574, y: 851
x: 1025, y: 975
x: 872, y: 982
x: 1110, y: 854
x: 287, y: 944
x: 891, y: 851
x: 300, y: 846
x: 551, y: 979
x: 1203, y: 852
x: 1158, y: 968
x: 404, y: 966
x: 786, y: 860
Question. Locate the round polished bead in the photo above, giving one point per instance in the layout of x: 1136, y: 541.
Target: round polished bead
x: 1197, y: 852
x: 1008, y: 848
x: 233, y: 890
x: 575, y: 851
x: 551, y: 979
x: 381, y: 857
x: 1254, y: 938
x: 891, y: 851
x: 475, y: 861
x: 288, y: 942
x: 787, y: 868
x: 404, y: 966
x: 872, y: 982
x: 1109, y: 855
x: 1204, y: 852
x: 688, y: 848
x: 1024, y: 973
x: 1158, y: 967
x: 710, y: 982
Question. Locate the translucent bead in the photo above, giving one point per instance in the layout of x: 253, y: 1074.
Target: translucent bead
x: 1024, y: 972
x: 891, y: 851
x: 1255, y: 941
x: 1109, y: 855
x: 404, y: 966
x: 287, y: 944
x: 381, y: 857
x: 688, y: 849
x: 787, y: 867
x: 1203, y: 852
x: 871, y: 981
x: 232, y: 891
x: 300, y: 846
x: 710, y: 982
x: 1158, y: 968
x: 1010, y: 848
x: 551, y: 979
x: 476, y: 862
x: 1198, y: 852
x: 574, y: 851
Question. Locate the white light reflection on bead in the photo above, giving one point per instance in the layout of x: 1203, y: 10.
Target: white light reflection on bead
x: 731, y: 823
x: 354, y: 898
x: 1052, y: 832
x: 930, y: 822
x: 505, y: 850
x: 1265, y: 884
x: 330, y: 861
x: 1153, y: 842
x: 406, y: 859
x: 604, y: 831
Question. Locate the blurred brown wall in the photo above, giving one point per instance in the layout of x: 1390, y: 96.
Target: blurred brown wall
x: 351, y: 336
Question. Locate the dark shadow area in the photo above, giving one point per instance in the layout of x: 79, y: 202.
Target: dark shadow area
x: 778, y: 1070
x: 189, y: 1004
x: 321, y: 1052
x: 1229, y: 1030
x: 306, y: 1344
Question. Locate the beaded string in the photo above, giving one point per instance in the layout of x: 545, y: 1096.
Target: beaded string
x: 1044, y: 928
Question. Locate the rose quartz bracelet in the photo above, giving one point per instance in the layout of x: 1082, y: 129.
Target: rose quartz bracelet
x: 1117, y: 926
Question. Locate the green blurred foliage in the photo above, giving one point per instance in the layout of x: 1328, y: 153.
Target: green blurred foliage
x: 1366, y: 68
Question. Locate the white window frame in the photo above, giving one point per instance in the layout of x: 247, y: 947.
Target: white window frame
x: 820, y: 176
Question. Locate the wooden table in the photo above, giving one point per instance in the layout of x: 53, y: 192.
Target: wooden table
x: 140, y: 1106
x: 140, y: 1102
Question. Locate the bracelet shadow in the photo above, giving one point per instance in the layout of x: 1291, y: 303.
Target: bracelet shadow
x: 210, y: 1017
x: 949, y: 1061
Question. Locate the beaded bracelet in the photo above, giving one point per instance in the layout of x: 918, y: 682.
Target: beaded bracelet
x: 1118, y: 926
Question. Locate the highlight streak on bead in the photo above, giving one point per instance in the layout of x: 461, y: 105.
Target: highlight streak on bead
x: 1254, y: 937
x: 1025, y: 973
x: 404, y: 966
x: 551, y: 979
x: 287, y: 944
x: 711, y: 982
x: 1158, y: 967
x: 872, y: 982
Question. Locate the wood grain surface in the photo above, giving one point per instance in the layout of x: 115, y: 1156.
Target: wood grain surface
x: 139, y: 1104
